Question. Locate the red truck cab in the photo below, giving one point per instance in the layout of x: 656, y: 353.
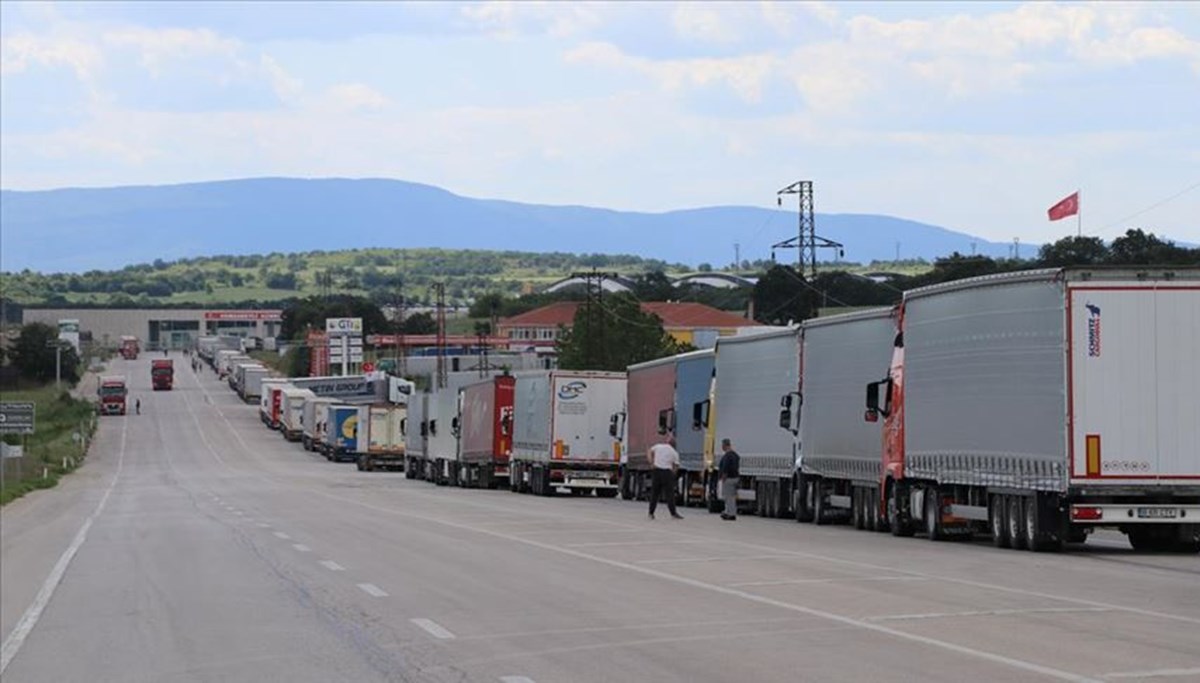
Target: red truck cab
x: 112, y: 394
x: 162, y: 374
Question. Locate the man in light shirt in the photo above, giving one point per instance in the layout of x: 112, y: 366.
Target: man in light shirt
x: 664, y: 461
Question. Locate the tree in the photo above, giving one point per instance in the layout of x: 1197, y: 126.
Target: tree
x: 654, y: 286
x: 486, y: 305
x: 300, y: 315
x: 33, y: 354
x: 1073, y: 251
x: 704, y: 267
x: 613, y: 335
x: 782, y: 296
x: 281, y: 281
x: 420, y: 323
x: 1136, y: 247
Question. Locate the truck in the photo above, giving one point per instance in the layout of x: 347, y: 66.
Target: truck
x: 416, y: 439
x: 270, y: 405
x: 484, y: 427
x: 345, y: 434
x: 250, y: 377
x: 315, y: 417
x: 162, y: 373
x: 649, y: 417
x: 129, y: 347
x: 111, y: 394
x: 561, y: 436
x: 836, y: 452
x: 385, y: 433
x: 1038, y: 406
x: 291, y: 411
x: 750, y: 373
x: 693, y: 384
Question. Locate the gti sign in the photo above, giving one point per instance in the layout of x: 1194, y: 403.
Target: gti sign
x: 343, y: 326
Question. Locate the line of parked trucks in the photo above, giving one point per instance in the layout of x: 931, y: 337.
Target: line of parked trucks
x: 1032, y: 407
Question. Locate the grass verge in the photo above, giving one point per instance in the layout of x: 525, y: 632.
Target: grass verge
x: 53, y: 450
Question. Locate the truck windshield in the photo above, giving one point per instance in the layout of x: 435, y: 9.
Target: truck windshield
x: 112, y: 391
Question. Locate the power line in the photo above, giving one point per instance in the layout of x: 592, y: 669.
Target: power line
x: 1153, y: 206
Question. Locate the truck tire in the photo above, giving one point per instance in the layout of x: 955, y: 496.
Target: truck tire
x: 857, y: 509
x: 820, y: 514
x: 898, y: 522
x: 933, y: 515
x: 997, y: 521
x: 547, y: 484
x: 1015, y: 520
x: 1187, y: 539
x: 800, y: 503
x: 360, y: 464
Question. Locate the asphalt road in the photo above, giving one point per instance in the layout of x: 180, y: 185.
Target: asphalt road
x: 196, y: 545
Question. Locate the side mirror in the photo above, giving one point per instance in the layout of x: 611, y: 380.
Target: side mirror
x: 877, y: 403
x: 454, y: 426
x: 404, y: 426
x: 663, y: 421
x: 785, y: 419
x: 700, y: 415
x: 424, y: 428
x: 612, y: 426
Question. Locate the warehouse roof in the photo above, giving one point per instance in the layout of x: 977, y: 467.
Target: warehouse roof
x: 673, y: 315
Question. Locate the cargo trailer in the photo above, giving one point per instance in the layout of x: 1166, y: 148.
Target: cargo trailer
x: 291, y: 411
x: 1040, y: 405
x: 314, y: 421
x: 385, y: 433
x: 561, y: 435
x: 416, y: 435
x: 345, y: 437
x: 250, y: 382
x: 270, y: 405
x: 750, y: 373
x: 649, y: 417
x: 484, y: 425
x: 693, y: 383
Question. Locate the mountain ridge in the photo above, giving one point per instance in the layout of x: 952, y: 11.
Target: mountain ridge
x: 279, y: 214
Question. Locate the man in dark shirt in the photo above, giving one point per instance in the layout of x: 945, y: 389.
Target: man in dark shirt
x: 728, y: 472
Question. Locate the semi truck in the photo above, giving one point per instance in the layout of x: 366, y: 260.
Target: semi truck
x: 291, y: 411
x: 270, y: 405
x: 1038, y: 406
x: 344, y: 437
x: 314, y: 422
x: 693, y: 384
x: 561, y: 435
x: 836, y: 452
x: 162, y: 374
x: 250, y: 379
x: 129, y: 347
x: 649, y: 417
x: 112, y: 393
x: 416, y: 436
x: 484, y: 426
x: 385, y: 425
x: 750, y: 373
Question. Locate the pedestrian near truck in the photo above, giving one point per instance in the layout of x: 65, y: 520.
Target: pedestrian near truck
x: 728, y: 471
x: 664, y: 461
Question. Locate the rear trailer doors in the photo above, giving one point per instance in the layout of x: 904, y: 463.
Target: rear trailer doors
x: 1134, y: 374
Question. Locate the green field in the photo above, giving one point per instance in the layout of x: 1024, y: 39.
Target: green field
x: 52, y: 450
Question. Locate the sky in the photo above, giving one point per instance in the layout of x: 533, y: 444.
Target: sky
x: 974, y: 116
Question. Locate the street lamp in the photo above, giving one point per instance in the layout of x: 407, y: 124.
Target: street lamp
x: 57, y: 345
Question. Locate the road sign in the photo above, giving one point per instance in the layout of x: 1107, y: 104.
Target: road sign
x: 344, y: 326
x: 16, y: 418
x: 368, y: 367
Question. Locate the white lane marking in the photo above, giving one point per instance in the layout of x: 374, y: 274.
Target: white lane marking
x: 282, y: 536
x: 372, y: 589
x: 1159, y: 673
x: 239, y: 513
x: 726, y: 558
x: 264, y: 525
x: 605, y: 544
x: 788, y: 582
x: 300, y: 547
x: 733, y: 592
x: 515, y: 679
x: 332, y: 566
x: 986, y: 613
x: 16, y: 638
x: 433, y: 628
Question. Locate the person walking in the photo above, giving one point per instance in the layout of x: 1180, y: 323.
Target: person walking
x: 137, y: 406
x: 664, y: 461
x: 728, y: 471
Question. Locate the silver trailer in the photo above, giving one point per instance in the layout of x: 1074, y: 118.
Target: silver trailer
x: 416, y: 435
x: 314, y: 421
x: 251, y: 383
x: 837, y: 451
x: 291, y: 413
x: 1037, y: 406
x: 750, y: 373
x: 561, y: 436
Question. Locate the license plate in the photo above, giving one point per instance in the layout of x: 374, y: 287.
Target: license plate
x: 1157, y: 513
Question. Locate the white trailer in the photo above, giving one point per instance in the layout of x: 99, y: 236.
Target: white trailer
x: 561, y: 435
x: 291, y: 413
x: 385, y: 431
x: 315, y: 421
x: 416, y: 435
x: 750, y: 373
x: 1039, y: 405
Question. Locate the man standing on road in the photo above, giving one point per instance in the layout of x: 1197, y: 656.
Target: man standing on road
x: 728, y: 472
x: 664, y: 460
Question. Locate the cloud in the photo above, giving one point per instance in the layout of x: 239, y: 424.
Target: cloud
x: 158, y: 47
x: 356, y: 96
x: 745, y: 75
x: 23, y: 50
x: 507, y: 18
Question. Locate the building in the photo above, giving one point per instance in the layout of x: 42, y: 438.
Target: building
x: 689, y: 323
x: 160, y: 327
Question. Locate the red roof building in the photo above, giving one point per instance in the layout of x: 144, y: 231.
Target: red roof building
x: 690, y: 323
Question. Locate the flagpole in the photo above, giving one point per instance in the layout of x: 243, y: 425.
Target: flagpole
x: 1079, y: 212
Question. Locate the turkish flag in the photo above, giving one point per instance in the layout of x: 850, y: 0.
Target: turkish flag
x: 1067, y: 207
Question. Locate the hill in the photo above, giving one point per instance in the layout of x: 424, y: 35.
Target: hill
x: 75, y: 230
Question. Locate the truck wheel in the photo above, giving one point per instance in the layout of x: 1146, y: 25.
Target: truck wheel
x: 1188, y: 539
x: 800, y: 502
x: 547, y: 484
x: 361, y: 466
x: 875, y: 518
x: 897, y: 522
x: 857, y: 516
x: 996, y: 520
x: 933, y: 515
x: 1015, y: 520
x: 820, y: 509
x: 626, y: 487
x: 606, y: 493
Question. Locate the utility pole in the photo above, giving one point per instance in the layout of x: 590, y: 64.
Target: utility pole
x: 737, y: 256
x: 443, y: 378
x: 592, y: 308
x: 806, y: 242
